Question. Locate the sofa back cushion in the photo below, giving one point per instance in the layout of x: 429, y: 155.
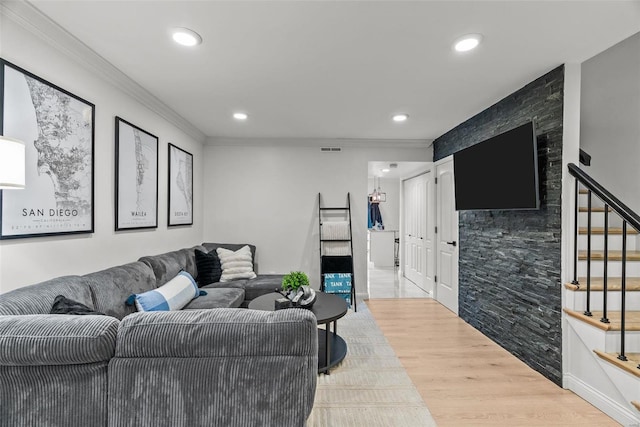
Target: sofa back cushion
x: 38, y: 298
x: 112, y: 287
x: 167, y: 266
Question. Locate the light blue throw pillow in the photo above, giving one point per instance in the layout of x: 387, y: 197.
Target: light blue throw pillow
x: 173, y: 295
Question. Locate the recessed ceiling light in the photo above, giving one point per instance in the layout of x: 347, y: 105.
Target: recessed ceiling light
x: 400, y: 117
x: 467, y: 42
x: 186, y: 37
x: 385, y: 170
x: 240, y: 116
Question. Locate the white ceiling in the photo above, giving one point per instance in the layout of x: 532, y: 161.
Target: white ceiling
x: 402, y: 170
x: 340, y: 69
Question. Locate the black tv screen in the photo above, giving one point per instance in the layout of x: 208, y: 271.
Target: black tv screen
x: 499, y: 173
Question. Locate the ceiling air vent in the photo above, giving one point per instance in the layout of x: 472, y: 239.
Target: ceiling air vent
x: 328, y: 149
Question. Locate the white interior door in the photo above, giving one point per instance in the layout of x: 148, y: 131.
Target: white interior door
x: 409, y: 239
x: 418, y: 230
x: 446, y: 237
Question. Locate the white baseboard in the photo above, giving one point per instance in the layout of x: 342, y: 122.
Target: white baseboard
x: 362, y: 296
x: 613, y: 409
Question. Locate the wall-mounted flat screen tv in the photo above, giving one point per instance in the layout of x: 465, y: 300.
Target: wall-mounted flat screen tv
x: 499, y: 173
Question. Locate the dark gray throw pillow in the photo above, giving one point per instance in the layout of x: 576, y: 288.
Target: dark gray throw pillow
x: 208, y: 266
x: 64, y: 305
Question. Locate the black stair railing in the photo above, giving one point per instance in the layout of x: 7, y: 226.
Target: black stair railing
x: 623, y: 290
x: 575, y: 236
x: 588, y: 310
x: 605, y: 272
x: 629, y: 218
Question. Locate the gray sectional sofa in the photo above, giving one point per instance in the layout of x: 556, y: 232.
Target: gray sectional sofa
x: 210, y: 363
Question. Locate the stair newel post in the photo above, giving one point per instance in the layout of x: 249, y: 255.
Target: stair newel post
x: 575, y: 237
x: 623, y: 289
x: 587, y: 312
x: 605, y: 319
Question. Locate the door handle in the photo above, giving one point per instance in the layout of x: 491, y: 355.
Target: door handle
x: 453, y: 243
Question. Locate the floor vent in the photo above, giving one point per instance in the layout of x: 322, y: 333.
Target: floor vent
x: 327, y: 149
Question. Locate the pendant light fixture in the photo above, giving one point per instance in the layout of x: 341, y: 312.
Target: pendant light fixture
x: 377, y: 196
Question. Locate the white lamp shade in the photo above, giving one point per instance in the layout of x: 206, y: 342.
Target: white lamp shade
x: 12, y: 163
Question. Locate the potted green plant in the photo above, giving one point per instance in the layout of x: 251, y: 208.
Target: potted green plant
x: 291, y: 282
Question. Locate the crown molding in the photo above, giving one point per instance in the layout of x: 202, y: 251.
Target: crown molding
x: 319, y: 142
x: 33, y: 20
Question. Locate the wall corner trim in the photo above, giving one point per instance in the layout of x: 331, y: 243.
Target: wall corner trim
x: 319, y: 142
x: 33, y: 20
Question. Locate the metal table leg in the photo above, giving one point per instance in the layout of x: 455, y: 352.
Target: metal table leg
x: 327, y: 347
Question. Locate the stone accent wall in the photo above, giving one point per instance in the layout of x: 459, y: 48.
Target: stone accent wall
x: 509, y: 281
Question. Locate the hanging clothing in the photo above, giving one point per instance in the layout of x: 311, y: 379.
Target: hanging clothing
x: 376, y: 216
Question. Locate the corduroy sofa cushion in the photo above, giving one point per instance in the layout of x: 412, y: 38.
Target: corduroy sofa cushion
x: 56, y: 339
x: 112, y: 287
x: 38, y: 298
x: 167, y: 266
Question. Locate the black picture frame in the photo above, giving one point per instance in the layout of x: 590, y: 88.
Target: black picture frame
x: 180, y: 187
x: 58, y: 129
x: 136, y: 178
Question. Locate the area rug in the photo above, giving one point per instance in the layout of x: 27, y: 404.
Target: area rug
x: 370, y: 387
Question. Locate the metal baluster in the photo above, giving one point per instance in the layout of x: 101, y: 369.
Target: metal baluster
x: 623, y: 289
x: 605, y: 319
x: 575, y: 240
x: 587, y: 312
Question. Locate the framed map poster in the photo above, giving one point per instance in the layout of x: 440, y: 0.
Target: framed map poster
x: 57, y: 128
x: 136, y: 177
x: 180, y: 187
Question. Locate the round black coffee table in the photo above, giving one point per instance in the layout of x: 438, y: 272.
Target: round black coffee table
x: 328, y: 308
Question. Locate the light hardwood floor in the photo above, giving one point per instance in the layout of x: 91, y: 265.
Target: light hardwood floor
x: 466, y: 379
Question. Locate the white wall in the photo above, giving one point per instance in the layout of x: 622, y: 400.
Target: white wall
x: 26, y: 261
x: 610, y: 119
x: 268, y: 195
x: 390, y: 210
x: 570, y: 154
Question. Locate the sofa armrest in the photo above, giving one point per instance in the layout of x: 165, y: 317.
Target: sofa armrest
x: 54, y: 339
x: 218, y: 333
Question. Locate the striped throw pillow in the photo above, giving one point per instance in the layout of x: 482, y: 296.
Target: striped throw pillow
x: 236, y: 265
x: 173, y: 295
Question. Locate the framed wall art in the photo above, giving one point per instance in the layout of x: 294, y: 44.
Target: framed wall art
x: 136, y: 177
x: 57, y: 128
x: 180, y: 187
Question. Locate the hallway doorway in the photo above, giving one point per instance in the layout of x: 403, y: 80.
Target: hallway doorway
x: 385, y: 272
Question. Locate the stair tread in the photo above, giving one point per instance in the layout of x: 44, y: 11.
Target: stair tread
x: 612, y: 230
x: 593, y: 209
x: 630, y: 365
x: 632, y: 319
x: 614, y: 255
x: 597, y: 284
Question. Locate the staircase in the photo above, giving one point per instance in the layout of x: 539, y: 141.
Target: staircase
x: 602, y: 304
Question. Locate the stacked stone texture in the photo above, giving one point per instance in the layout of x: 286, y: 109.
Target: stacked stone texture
x: 509, y: 277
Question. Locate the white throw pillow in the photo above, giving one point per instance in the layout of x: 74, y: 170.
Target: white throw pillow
x: 236, y: 265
